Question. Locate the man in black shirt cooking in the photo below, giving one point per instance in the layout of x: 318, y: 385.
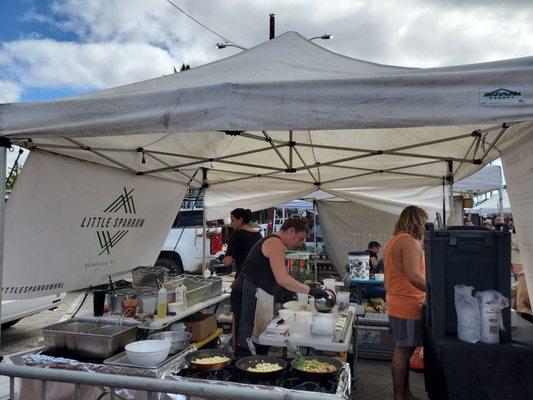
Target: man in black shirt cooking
x: 376, y: 267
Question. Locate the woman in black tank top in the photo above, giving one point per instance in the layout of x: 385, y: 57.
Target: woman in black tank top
x: 242, y: 239
x: 264, y: 268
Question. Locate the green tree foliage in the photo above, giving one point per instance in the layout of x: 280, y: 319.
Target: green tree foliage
x: 10, y: 182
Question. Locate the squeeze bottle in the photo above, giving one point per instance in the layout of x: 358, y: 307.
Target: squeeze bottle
x: 162, y: 300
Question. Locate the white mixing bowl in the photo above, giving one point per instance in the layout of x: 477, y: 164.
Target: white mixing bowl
x: 148, y: 352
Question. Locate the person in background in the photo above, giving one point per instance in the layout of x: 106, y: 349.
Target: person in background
x: 487, y: 224
x: 512, y: 228
x: 377, y: 290
x: 468, y: 222
x: 373, y: 250
x: 240, y: 243
x: 242, y: 239
x: 406, y: 285
x: 520, y: 298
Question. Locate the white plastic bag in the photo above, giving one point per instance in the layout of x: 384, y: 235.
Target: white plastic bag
x: 491, y: 303
x: 468, y: 318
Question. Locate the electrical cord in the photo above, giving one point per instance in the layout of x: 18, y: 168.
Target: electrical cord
x: 201, y: 24
x: 81, y: 304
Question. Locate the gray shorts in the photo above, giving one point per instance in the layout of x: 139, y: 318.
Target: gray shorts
x: 407, y: 332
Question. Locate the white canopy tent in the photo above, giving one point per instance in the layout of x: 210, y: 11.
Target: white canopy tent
x: 492, y: 205
x: 280, y: 120
x: 486, y: 179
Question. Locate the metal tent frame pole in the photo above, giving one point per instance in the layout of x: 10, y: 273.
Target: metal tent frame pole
x: 500, y: 201
x: 314, y: 236
x: 204, y: 220
x: 3, y: 156
x: 451, y: 204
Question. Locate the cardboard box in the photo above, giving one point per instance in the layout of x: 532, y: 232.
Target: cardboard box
x: 201, y: 326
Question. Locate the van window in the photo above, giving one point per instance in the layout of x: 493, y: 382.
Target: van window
x: 188, y: 218
x: 193, y: 218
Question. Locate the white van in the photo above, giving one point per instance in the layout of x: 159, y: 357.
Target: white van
x: 183, y: 251
x: 14, y: 310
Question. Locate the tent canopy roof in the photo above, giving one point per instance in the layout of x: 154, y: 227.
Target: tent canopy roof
x: 287, y: 116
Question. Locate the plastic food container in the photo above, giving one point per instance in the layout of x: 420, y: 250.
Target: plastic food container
x: 323, y: 325
x: 329, y: 283
x: 303, y: 321
x: 343, y: 300
x: 359, y: 262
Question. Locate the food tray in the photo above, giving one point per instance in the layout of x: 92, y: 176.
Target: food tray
x: 148, y: 276
x: 198, y: 288
x: 121, y: 360
x: 198, y: 292
x: 91, y: 340
x: 216, y: 285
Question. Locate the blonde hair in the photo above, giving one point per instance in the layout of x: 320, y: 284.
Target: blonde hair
x: 412, y: 221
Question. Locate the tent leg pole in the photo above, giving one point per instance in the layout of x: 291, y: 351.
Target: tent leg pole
x: 500, y: 202
x: 204, y: 221
x: 3, y: 153
x: 204, y: 239
x: 451, y: 204
x: 314, y: 236
x: 443, y: 201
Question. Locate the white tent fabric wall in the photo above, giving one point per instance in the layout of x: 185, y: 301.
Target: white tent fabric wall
x: 348, y: 226
x: 255, y: 194
x: 517, y: 161
x: 71, y: 224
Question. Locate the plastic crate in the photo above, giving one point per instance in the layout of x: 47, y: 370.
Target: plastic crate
x: 472, y: 256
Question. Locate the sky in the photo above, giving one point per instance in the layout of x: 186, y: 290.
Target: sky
x: 55, y: 48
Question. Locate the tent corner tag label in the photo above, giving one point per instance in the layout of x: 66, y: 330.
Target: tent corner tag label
x: 501, y: 95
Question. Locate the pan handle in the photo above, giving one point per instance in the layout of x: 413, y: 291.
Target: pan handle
x: 251, y: 346
x: 292, y: 348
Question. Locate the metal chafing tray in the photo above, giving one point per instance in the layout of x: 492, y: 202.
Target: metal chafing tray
x: 121, y: 360
x: 148, y: 276
x: 88, y: 339
x: 198, y: 288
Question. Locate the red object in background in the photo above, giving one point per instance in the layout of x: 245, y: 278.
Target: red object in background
x: 270, y: 225
x: 216, y: 243
x: 416, y: 362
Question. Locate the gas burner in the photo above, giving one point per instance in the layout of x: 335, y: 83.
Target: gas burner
x: 323, y: 386
x: 287, y: 380
x: 223, y: 375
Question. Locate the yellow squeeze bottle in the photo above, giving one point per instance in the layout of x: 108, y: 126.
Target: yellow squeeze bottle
x: 162, y: 300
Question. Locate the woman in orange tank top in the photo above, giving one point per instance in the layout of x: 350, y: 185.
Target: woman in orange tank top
x: 405, y: 284
x: 404, y: 300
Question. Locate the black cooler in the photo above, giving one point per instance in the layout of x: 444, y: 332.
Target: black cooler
x: 472, y: 256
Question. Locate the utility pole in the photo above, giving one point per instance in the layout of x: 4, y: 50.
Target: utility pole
x: 272, y: 26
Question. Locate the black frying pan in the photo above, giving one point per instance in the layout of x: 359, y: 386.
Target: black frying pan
x: 244, y: 363
x: 190, y: 358
x: 318, y: 375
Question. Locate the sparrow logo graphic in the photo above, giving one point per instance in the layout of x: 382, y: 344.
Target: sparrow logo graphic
x: 123, y: 201
x: 107, y: 241
x: 110, y: 229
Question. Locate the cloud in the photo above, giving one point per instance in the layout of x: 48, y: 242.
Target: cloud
x: 411, y: 32
x: 9, y: 92
x: 123, y: 41
x: 53, y: 64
